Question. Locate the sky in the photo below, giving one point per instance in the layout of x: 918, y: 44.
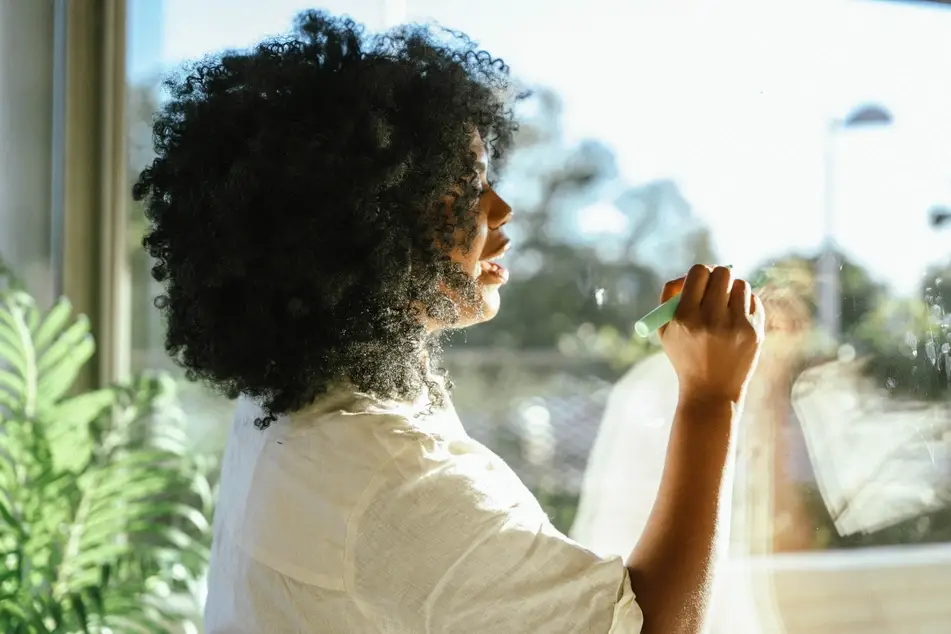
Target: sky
x: 735, y: 100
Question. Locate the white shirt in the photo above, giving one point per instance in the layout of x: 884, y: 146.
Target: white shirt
x: 358, y: 516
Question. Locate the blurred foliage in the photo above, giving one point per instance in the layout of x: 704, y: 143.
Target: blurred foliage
x: 907, y: 343
x: 619, y: 349
x: 860, y: 292
x: 936, y: 287
x: 142, y: 101
x: 104, y: 512
x: 561, y: 508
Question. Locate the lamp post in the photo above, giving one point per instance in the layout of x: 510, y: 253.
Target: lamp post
x: 830, y: 301
x: 940, y: 217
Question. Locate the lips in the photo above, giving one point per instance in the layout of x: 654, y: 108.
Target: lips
x: 492, y: 271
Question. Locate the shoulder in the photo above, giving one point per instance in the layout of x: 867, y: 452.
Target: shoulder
x: 346, y: 428
x: 352, y: 447
x: 449, y: 490
x: 447, y: 538
x: 288, y: 493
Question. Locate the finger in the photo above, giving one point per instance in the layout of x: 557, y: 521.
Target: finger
x: 717, y: 295
x: 671, y: 288
x: 741, y: 299
x: 695, y: 285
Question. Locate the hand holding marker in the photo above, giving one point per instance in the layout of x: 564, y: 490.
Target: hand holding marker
x: 660, y: 316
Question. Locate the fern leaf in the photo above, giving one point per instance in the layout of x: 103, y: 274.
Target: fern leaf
x: 55, y: 321
x: 68, y: 429
x: 58, y: 377
x: 16, y: 346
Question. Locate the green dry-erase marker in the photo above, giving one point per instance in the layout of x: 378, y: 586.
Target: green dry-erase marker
x: 659, y: 316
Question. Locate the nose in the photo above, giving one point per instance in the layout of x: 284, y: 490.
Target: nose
x: 499, y: 211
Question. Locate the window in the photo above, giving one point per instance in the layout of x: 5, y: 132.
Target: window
x: 26, y: 135
x: 808, y: 146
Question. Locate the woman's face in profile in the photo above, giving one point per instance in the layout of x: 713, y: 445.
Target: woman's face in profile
x: 480, y: 260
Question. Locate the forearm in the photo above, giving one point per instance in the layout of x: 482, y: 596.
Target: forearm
x: 671, y: 567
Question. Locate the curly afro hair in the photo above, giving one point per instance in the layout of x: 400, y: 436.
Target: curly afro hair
x: 298, y: 194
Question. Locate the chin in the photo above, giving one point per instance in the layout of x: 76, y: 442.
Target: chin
x: 491, y: 302
x: 487, y: 309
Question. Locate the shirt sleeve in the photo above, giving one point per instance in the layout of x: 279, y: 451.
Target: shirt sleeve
x: 448, y: 540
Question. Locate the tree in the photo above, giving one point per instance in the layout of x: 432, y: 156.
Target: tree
x: 903, y: 343
x: 908, y: 341
x: 860, y: 293
x: 907, y: 350
x: 563, y: 276
x: 142, y: 100
x: 936, y: 289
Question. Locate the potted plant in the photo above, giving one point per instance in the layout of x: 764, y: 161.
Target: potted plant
x: 104, y: 510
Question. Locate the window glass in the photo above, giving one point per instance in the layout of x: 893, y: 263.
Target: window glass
x: 807, y: 146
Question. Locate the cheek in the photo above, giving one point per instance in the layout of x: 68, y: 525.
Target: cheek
x: 469, y: 259
x: 478, y: 246
x: 478, y: 242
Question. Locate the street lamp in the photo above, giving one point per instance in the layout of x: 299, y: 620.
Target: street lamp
x: 830, y: 301
x: 940, y: 217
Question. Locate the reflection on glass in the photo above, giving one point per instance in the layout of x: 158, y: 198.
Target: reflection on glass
x: 638, y: 156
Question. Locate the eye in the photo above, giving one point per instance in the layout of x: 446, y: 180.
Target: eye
x: 477, y: 186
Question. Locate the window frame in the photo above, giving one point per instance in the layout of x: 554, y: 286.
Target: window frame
x: 91, y: 187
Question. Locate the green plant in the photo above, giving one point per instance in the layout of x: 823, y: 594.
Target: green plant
x: 561, y: 507
x: 607, y: 344
x: 103, y: 509
x: 907, y: 344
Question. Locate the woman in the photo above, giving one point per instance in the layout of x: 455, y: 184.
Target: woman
x: 321, y: 213
x: 768, y: 514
